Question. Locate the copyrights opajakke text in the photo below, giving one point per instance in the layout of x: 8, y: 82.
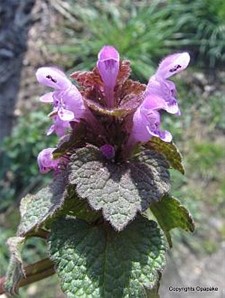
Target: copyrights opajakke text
x: 193, y: 289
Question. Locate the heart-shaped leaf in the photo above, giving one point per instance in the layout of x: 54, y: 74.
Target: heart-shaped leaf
x: 96, y: 261
x: 120, y: 190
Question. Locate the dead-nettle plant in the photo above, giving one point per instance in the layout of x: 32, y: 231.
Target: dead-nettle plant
x: 110, y: 179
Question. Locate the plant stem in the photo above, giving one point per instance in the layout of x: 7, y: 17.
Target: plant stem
x: 33, y: 273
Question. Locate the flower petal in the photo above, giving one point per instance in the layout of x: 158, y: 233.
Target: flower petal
x: 162, y: 134
x: 108, y: 65
x: 142, y: 121
x: 45, y: 160
x: 50, y: 130
x: 60, y: 127
x: 65, y: 115
x: 52, y: 77
x: 146, y: 124
x: 108, y: 52
x: 161, y: 95
x: 48, y: 97
x: 71, y: 100
x: 172, y: 64
x: 165, y: 136
x: 155, y: 102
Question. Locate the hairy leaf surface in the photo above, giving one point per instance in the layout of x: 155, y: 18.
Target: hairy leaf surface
x: 169, y: 150
x: 171, y: 214
x: 96, y: 261
x: 36, y: 209
x: 120, y: 190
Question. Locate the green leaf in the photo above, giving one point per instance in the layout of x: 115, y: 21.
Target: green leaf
x: 15, y: 271
x: 122, y: 189
x: 169, y: 150
x: 38, y: 208
x: 171, y: 214
x: 79, y: 208
x: 96, y: 261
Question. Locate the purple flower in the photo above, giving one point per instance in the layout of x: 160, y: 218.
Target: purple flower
x: 146, y: 124
x: 162, y: 92
x: 59, y: 127
x: 172, y: 65
x: 66, y: 98
x: 53, y: 77
x: 108, y: 65
x: 46, y: 162
x: 108, y: 151
x: 69, y: 104
x: 48, y: 97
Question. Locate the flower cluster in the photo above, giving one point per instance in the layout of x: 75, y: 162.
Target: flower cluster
x: 115, y: 112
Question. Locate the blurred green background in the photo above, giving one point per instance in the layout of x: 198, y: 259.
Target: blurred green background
x: 70, y: 34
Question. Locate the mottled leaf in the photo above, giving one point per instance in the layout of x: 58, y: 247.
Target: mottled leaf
x: 119, y: 189
x: 36, y: 209
x: 171, y: 214
x: 15, y: 271
x: 98, y: 262
x: 169, y: 150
